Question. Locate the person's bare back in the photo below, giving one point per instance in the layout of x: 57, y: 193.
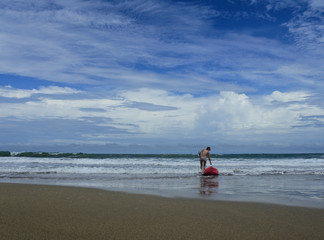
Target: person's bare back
x: 204, y: 153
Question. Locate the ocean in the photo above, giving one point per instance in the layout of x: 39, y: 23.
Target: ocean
x: 287, y: 179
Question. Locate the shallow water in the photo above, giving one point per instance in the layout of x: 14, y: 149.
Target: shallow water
x: 290, y: 180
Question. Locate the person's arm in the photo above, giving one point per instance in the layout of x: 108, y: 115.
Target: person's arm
x: 209, y: 158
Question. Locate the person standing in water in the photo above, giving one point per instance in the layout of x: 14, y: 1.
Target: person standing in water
x: 203, y: 158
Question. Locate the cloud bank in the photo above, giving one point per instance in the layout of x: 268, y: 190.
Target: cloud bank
x: 147, y: 115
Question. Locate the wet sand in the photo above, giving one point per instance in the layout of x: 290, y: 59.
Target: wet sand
x: 53, y: 212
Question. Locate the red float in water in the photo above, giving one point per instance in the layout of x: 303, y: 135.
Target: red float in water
x: 210, y: 171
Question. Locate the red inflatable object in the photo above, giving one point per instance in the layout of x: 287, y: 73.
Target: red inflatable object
x: 210, y: 171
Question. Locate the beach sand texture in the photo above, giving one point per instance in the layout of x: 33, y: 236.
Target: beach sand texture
x: 53, y: 212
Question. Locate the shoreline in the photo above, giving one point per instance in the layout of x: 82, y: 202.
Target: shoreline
x: 61, y: 212
x: 226, y: 188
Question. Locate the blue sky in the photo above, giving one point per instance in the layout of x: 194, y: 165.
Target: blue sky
x: 162, y: 76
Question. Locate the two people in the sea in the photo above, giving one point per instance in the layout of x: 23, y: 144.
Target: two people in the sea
x: 204, y: 153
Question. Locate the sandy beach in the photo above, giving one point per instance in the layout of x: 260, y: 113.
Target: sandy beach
x: 53, y: 212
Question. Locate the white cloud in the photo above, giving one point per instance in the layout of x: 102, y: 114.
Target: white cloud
x: 288, y: 97
x: 177, y: 115
x: 307, y: 28
x: 227, y: 112
x: 9, y: 92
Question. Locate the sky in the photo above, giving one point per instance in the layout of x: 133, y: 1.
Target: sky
x: 149, y: 76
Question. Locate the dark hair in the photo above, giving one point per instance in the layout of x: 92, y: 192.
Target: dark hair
x: 208, y: 148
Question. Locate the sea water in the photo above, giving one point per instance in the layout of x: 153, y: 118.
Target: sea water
x: 289, y: 179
